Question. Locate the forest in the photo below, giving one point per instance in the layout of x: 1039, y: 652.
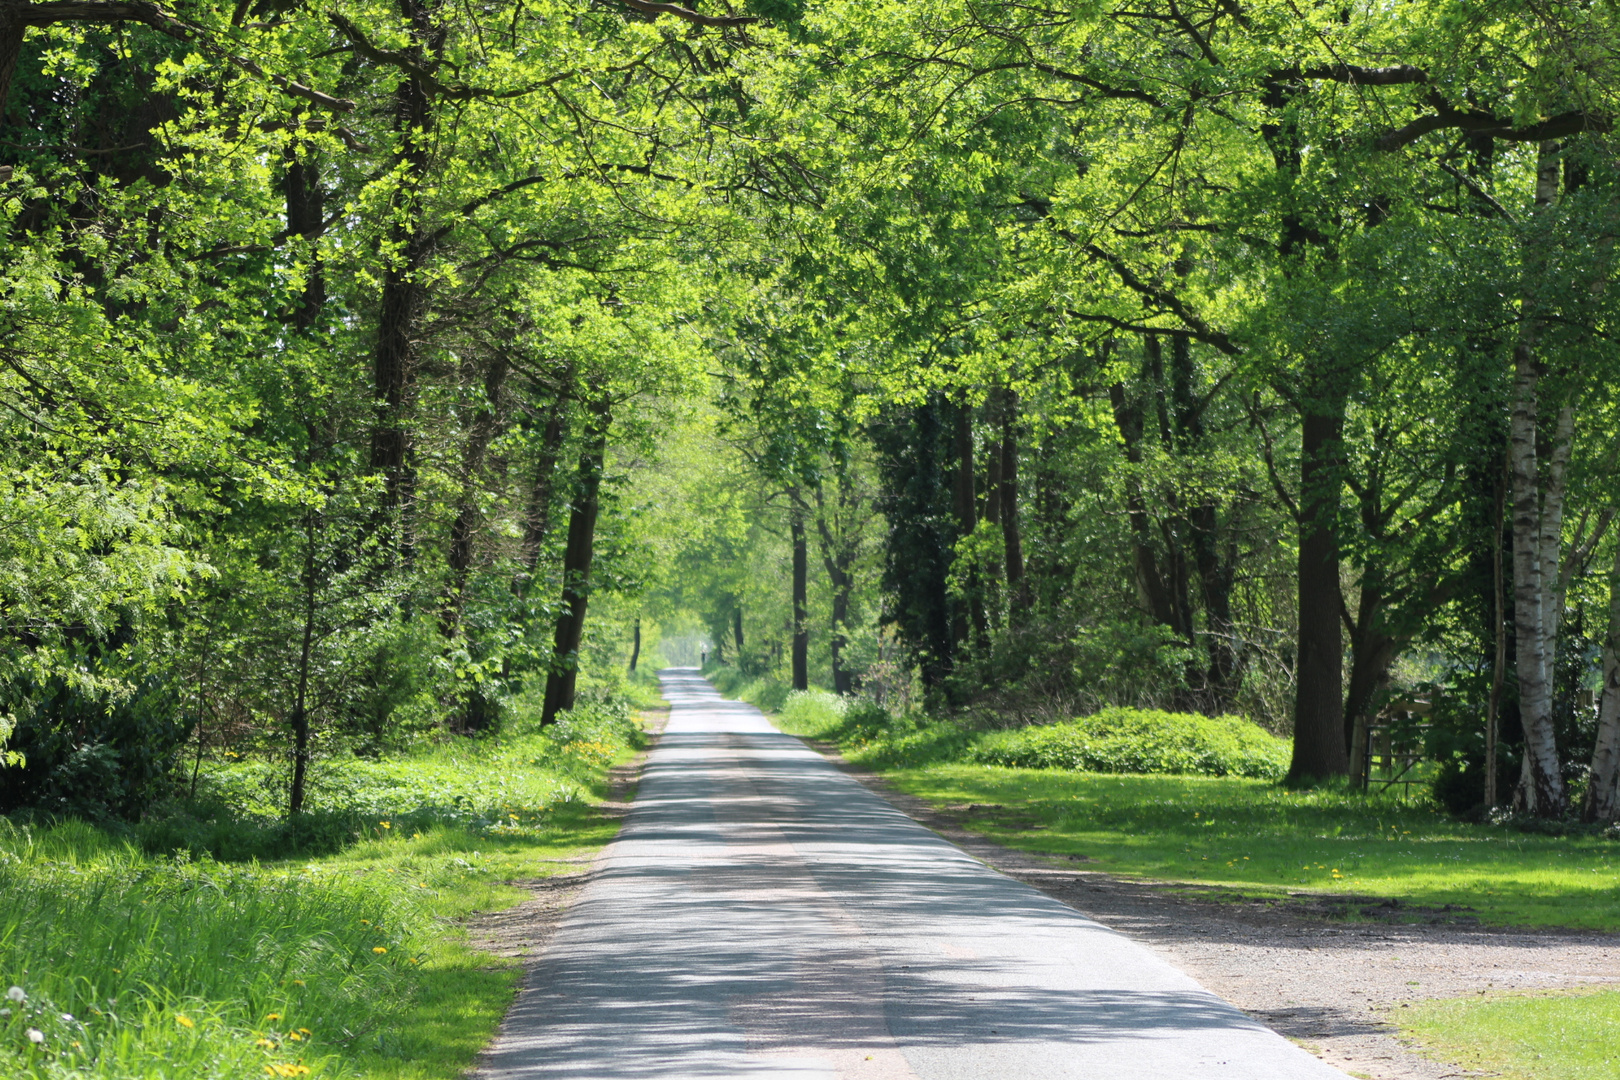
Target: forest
x: 372, y: 372
x: 1180, y: 436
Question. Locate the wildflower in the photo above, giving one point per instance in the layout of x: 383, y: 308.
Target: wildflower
x: 294, y: 1036
x: 184, y: 1020
x: 4, y: 1013
x: 78, y: 1045
x: 379, y: 950
x: 305, y: 1031
x: 385, y: 824
x: 365, y: 922
x: 298, y: 982
x: 264, y: 1044
x: 36, y: 1036
x: 67, y: 1018
x: 273, y: 1016
x: 16, y: 994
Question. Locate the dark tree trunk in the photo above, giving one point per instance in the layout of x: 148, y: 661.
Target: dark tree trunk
x: 577, y: 568
x: 1319, y: 749
x: 404, y: 292
x: 837, y: 556
x: 1012, y: 538
x: 12, y: 29
x: 1151, y: 586
x: 801, y: 613
x: 485, y: 425
x: 635, y: 646
x: 300, y: 712
x: 737, y: 630
x: 964, y: 500
x: 537, y: 517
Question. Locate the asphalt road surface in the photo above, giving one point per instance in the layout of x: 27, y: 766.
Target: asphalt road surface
x: 762, y: 915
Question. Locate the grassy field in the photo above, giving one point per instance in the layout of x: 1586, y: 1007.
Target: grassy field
x: 135, y: 953
x: 1563, y: 1037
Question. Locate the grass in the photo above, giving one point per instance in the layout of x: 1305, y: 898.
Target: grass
x: 1563, y: 1037
x: 1259, y: 839
x: 1247, y: 835
x: 131, y: 962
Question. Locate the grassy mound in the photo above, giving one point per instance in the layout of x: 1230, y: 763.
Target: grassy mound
x: 1120, y: 740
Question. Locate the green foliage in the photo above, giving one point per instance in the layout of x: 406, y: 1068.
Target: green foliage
x: 1121, y: 740
x: 83, y: 755
x: 1572, y: 1036
x: 517, y: 783
x: 767, y: 692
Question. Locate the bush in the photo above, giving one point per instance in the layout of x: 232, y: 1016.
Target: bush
x: 1141, y: 741
x: 812, y: 712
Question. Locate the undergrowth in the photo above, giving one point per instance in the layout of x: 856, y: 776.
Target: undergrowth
x: 172, y: 949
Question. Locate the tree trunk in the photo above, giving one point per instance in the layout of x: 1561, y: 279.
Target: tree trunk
x: 737, y: 631
x: 635, y: 647
x: 1602, y: 794
x: 1493, y: 709
x: 537, y: 517
x: 481, y: 432
x: 1319, y: 746
x: 1150, y: 583
x: 801, y: 614
x: 966, y: 506
x: 12, y: 30
x: 404, y: 292
x: 1537, y: 526
x: 1011, y: 537
x: 300, y: 713
x: 577, y: 568
x: 1371, y: 652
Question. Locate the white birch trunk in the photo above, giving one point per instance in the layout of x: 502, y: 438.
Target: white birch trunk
x: 1537, y: 534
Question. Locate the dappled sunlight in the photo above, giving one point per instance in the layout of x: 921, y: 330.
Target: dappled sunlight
x: 762, y: 914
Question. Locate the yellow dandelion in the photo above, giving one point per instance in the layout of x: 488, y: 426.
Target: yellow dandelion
x: 273, y: 1016
x: 305, y: 1031
x: 385, y: 824
x: 365, y: 922
x: 293, y: 1036
x: 183, y: 1020
x: 298, y: 982
x: 265, y: 1044
x: 379, y: 950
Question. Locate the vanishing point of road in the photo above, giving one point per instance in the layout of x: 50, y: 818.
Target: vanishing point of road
x: 762, y: 915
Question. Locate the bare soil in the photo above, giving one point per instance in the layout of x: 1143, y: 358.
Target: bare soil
x: 1330, y: 972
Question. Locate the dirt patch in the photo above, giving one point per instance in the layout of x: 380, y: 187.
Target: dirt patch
x: 523, y: 931
x: 1330, y: 972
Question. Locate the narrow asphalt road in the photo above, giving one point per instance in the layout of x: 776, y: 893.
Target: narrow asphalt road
x: 762, y: 915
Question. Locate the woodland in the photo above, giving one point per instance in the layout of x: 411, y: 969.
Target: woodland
x: 374, y: 373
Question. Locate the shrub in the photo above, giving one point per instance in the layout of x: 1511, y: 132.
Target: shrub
x: 1141, y: 741
x: 813, y: 712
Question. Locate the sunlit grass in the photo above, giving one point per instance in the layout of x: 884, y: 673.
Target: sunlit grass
x: 350, y: 965
x: 1564, y: 1037
x: 1262, y: 839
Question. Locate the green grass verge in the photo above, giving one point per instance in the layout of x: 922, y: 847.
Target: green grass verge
x: 1564, y: 1037
x: 1263, y: 840
x: 1242, y: 834
x: 352, y: 964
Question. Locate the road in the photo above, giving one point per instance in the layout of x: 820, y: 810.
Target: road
x: 762, y: 915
